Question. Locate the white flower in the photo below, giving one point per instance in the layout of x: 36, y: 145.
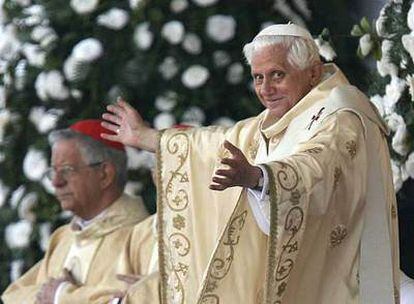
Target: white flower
x: 9, y: 43
x: 378, y: 102
x: 409, y: 165
x: 399, y: 140
x: 5, y: 118
x: 43, y: 35
x: 16, y: 269
x: 408, y: 43
x: 71, y: 68
x: 77, y: 94
x: 173, y: 31
x: 88, y: 50
x: 133, y: 188
x: 195, y: 76
x: 34, y: 164
x: 394, y: 120
x: 17, y: 235
x: 43, y: 120
x: 134, y: 4
x: 164, y: 120
x: 398, y: 175
x: 55, y: 87
x: 114, y: 19
x: 166, y: 102
x: 84, y: 6
x: 26, y: 206
x: 194, y: 115
x: 221, y: 58
x: 34, y: 54
x: 365, y: 44
x: 4, y: 191
x: 143, y: 37
x: 44, y: 232
x: 393, y: 92
x: 380, y: 22
x: 50, y: 85
x: 235, y: 73
x: 139, y: 159
x: 204, y: 3
x: 325, y: 49
x: 409, y: 80
x: 47, y: 185
x: 221, y: 28
x: 384, y: 66
x: 410, y: 17
x: 17, y: 196
x: 168, y: 68
x: 192, y: 44
x: 177, y: 6
x: 224, y: 122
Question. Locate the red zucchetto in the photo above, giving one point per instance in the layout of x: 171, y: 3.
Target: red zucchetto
x: 93, y: 128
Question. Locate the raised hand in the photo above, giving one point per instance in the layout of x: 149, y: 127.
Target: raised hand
x: 239, y: 172
x: 128, y: 126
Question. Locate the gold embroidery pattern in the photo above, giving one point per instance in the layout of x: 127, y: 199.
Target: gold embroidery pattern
x: 221, y: 264
x: 351, y: 147
x: 338, y: 234
x: 179, y: 222
x: 177, y: 201
x: 210, y: 299
x: 337, y: 176
x: 287, y: 179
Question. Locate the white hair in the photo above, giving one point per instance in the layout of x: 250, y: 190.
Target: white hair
x: 301, y: 53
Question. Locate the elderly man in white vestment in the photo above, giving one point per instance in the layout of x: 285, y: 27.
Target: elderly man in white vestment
x: 83, y: 261
x: 293, y: 206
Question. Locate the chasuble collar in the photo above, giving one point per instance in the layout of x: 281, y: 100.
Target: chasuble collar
x: 124, y: 211
x: 332, y: 77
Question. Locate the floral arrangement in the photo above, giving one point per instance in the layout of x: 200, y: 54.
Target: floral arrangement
x: 390, y: 42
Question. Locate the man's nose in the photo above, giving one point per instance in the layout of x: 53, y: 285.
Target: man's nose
x: 267, y: 87
x: 58, y: 181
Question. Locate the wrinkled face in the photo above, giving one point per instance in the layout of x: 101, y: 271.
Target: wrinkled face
x: 278, y: 84
x: 77, y: 184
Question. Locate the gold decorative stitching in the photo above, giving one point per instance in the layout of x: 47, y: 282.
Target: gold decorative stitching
x: 220, y: 266
x: 351, y: 147
x: 338, y: 234
x: 176, y: 199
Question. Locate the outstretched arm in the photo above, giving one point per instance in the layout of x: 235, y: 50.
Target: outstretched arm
x: 129, y: 127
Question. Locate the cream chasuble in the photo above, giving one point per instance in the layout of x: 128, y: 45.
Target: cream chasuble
x: 318, y: 158
x: 92, y: 256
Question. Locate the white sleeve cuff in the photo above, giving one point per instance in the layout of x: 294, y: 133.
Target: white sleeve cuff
x: 260, y: 204
x: 116, y: 301
x: 59, y: 291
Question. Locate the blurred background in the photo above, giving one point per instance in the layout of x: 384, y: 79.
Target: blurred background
x: 176, y: 61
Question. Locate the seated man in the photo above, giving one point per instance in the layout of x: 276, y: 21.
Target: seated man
x: 80, y: 264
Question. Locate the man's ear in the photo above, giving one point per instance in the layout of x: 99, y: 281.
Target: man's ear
x: 315, y: 72
x: 108, y: 174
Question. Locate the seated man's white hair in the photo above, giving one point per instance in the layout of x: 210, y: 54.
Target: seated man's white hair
x: 301, y: 53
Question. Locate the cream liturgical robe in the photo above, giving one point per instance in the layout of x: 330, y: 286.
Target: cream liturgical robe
x: 329, y: 174
x: 93, y: 256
